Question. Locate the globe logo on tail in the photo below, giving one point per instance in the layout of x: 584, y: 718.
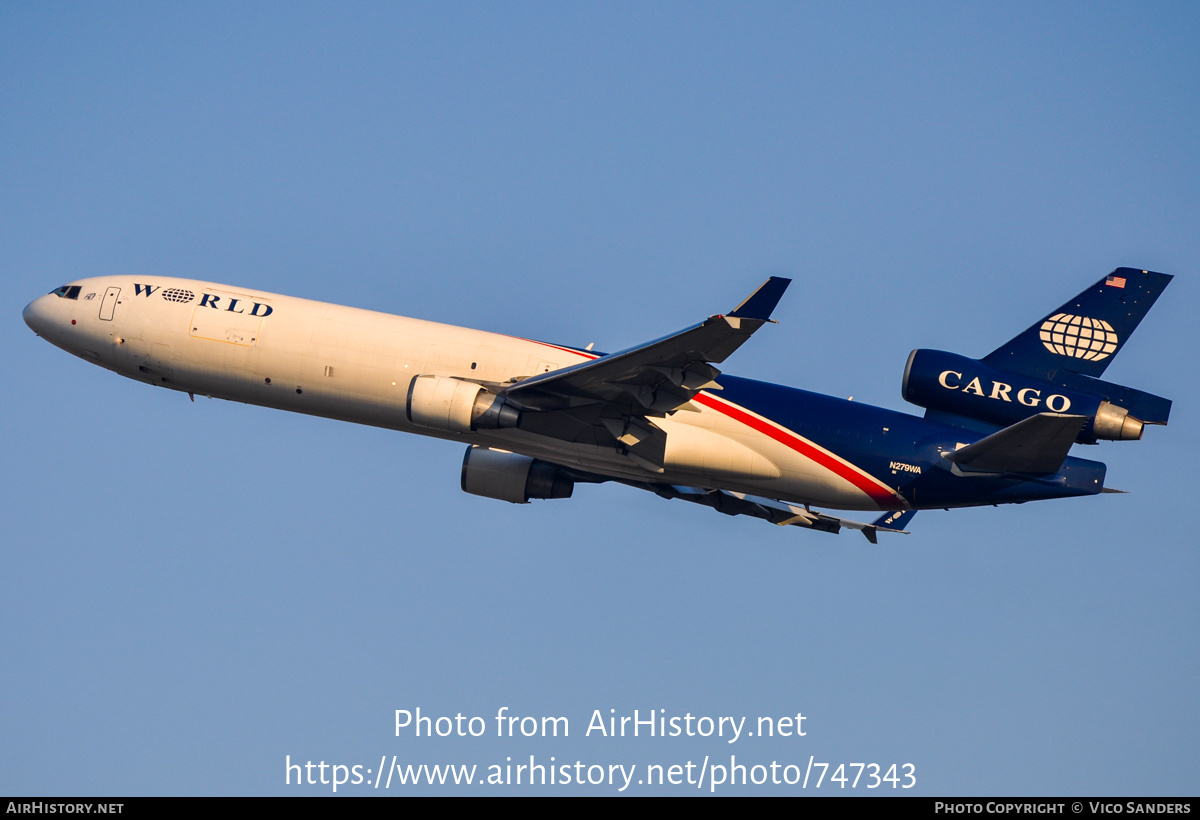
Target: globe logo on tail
x: 1078, y: 336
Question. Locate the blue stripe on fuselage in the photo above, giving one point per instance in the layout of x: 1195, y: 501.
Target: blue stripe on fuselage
x: 893, y: 447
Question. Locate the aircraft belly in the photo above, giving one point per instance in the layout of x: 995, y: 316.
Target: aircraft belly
x: 809, y: 473
x: 711, y: 449
x: 706, y: 449
x: 691, y: 449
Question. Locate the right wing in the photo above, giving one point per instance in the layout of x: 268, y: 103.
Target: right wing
x: 613, y: 399
x: 660, y: 376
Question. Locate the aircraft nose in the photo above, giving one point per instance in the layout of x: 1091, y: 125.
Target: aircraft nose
x: 34, y: 315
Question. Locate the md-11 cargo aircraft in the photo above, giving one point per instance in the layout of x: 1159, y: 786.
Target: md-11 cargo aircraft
x: 538, y: 418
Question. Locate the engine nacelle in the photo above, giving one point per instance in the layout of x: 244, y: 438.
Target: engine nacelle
x: 512, y: 477
x: 458, y: 406
x: 954, y: 384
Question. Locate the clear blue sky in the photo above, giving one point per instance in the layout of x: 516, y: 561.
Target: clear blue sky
x: 195, y: 591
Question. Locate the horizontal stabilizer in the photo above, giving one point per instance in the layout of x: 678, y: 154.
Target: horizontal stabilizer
x: 1038, y: 444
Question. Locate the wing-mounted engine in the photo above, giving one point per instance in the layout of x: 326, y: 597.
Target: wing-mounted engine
x: 512, y: 477
x: 458, y: 406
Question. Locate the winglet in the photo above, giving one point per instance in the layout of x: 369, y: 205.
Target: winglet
x: 894, y: 520
x: 889, y: 522
x: 762, y: 302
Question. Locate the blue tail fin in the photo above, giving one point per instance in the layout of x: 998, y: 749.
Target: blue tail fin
x: 1085, y: 334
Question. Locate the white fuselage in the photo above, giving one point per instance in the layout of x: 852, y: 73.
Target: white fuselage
x: 356, y: 365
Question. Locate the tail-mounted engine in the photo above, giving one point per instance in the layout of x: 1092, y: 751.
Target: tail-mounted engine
x: 945, y: 383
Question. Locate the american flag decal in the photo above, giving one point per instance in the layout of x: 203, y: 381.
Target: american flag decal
x: 1115, y: 281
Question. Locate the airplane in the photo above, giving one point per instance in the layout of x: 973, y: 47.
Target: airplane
x: 539, y: 418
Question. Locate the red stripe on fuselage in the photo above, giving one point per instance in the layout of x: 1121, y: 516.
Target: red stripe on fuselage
x: 885, y: 498
x: 585, y: 354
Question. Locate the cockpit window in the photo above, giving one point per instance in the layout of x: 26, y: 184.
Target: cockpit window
x: 66, y: 292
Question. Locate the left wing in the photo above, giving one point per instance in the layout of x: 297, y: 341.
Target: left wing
x: 779, y: 512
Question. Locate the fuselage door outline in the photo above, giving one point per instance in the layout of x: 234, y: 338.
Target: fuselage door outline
x: 109, y: 304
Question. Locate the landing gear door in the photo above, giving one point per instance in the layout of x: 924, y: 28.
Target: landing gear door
x: 109, y: 303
